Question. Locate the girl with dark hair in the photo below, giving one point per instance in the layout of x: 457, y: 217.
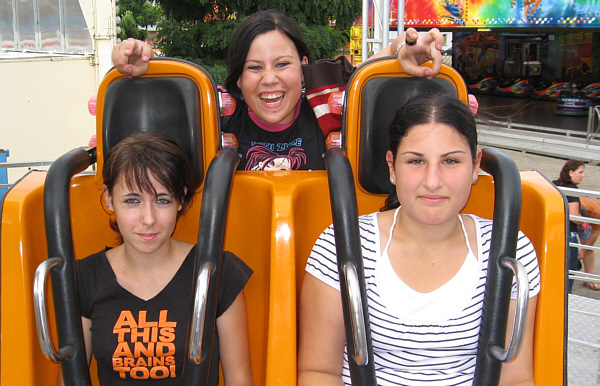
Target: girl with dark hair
x: 131, y: 322
x: 269, y: 66
x: 570, y: 176
x: 425, y: 265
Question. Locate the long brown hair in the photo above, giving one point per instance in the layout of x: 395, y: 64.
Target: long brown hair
x: 564, y: 178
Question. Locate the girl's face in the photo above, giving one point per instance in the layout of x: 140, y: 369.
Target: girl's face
x: 577, y: 175
x: 433, y: 172
x: 271, y: 82
x: 146, y: 221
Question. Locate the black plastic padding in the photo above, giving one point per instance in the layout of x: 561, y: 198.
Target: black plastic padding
x: 169, y: 105
x: 57, y: 217
x: 211, y: 234
x: 381, y: 98
x: 505, y: 232
x: 347, y: 241
x: 567, y: 232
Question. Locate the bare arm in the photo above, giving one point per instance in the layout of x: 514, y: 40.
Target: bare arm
x: 234, y: 348
x: 86, y: 325
x: 519, y: 371
x: 131, y: 57
x: 322, y: 338
x: 427, y: 48
x: 574, y: 210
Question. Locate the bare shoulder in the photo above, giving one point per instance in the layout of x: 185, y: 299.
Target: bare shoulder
x: 471, y: 228
x: 385, y: 219
x: 468, y: 221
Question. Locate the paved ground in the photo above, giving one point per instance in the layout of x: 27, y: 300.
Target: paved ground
x: 583, y: 358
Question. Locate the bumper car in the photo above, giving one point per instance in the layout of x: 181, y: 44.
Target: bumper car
x: 551, y: 92
x: 484, y: 86
x: 573, y: 104
x: 592, y: 91
x: 521, y: 88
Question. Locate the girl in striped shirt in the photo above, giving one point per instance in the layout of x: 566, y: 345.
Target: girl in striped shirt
x: 425, y: 265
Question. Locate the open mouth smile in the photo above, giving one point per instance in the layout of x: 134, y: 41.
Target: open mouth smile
x: 272, y: 99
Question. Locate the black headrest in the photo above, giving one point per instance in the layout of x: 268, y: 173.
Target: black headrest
x: 381, y: 98
x: 168, y: 105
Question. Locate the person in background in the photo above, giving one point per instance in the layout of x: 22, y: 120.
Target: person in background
x: 282, y: 118
x: 425, y: 265
x: 570, y: 176
x: 136, y: 298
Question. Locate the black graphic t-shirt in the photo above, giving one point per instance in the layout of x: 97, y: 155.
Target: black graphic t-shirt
x: 299, y: 147
x: 136, y: 342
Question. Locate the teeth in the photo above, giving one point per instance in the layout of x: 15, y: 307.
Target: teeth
x: 271, y: 98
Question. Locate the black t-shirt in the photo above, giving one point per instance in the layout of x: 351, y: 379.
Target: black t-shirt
x: 299, y: 147
x: 572, y: 226
x: 136, y: 342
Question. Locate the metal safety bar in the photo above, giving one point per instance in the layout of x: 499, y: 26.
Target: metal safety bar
x: 57, y: 218
x: 209, y: 255
x: 41, y: 313
x: 344, y: 211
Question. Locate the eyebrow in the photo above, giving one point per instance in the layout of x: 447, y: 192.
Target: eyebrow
x: 286, y: 57
x: 130, y: 194
x: 443, y: 155
x: 137, y: 194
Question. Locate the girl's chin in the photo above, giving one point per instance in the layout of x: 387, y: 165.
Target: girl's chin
x: 274, y: 119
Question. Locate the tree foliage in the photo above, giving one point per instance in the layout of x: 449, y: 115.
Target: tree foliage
x: 136, y: 16
x: 200, y: 30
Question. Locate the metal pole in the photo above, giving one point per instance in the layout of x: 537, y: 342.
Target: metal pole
x: 385, y: 25
x: 365, y: 29
x: 400, y: 8
x: 3, y: 172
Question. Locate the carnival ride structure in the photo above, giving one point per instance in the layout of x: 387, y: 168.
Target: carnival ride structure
x: 268, y: 218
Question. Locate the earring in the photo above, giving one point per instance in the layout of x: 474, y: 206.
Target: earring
x: 474, y: 180
x: 393, y: 180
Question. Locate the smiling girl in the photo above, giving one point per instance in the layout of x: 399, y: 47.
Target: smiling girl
x: 268, y: 67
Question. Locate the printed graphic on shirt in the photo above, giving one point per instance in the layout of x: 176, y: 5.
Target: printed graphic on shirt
x: 265, y: 156
x: 145, y: 349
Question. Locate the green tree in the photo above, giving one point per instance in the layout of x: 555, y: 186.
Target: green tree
x: 136, y: 16
x: 200, y: 30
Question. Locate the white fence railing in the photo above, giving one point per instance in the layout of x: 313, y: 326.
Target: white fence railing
x: 576, y: 275
x: 584, y: 314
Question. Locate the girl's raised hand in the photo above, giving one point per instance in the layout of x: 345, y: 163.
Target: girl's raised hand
x: 131, y: 57
x: 427, y: 47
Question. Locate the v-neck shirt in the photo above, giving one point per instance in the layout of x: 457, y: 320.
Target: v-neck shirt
x: 136, y: 341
